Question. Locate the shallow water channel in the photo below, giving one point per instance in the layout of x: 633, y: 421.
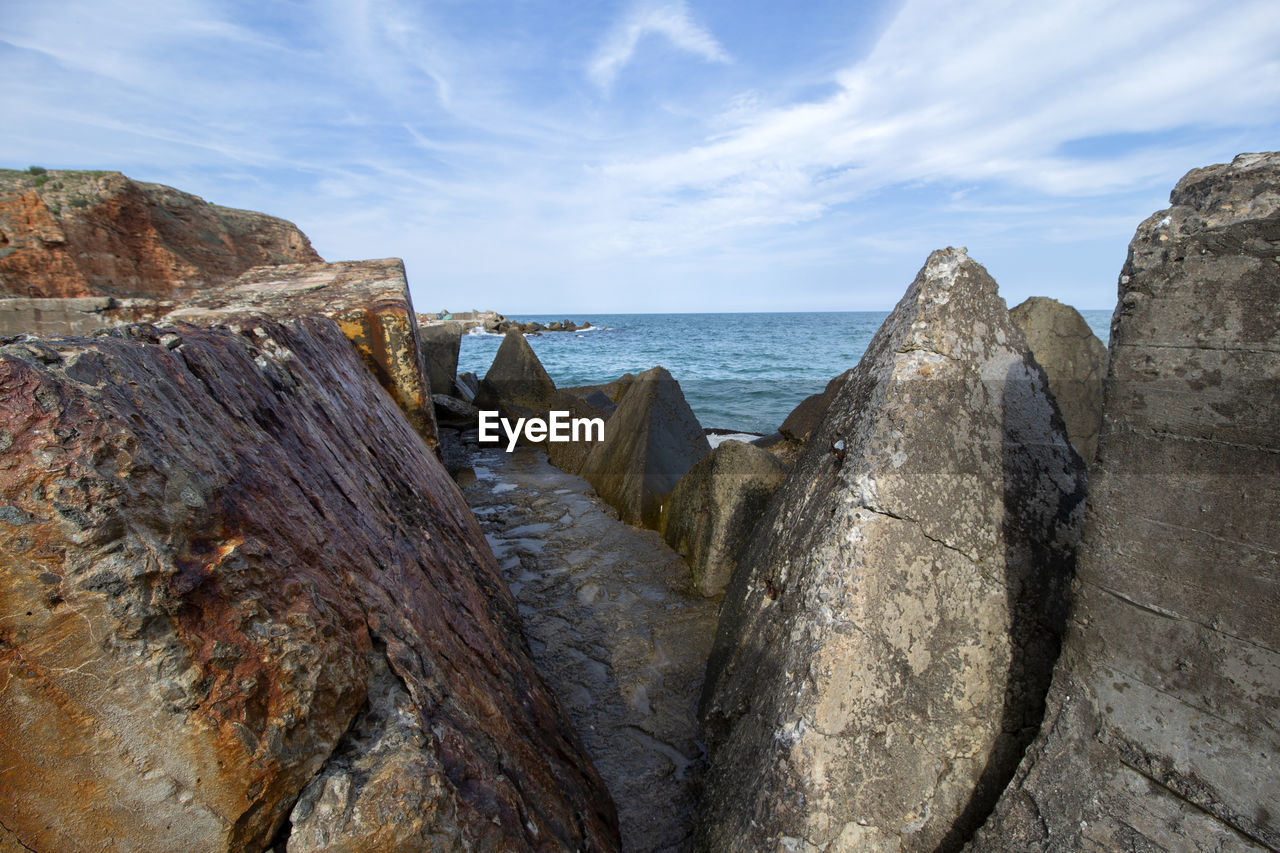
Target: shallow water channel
x: 614, y: 627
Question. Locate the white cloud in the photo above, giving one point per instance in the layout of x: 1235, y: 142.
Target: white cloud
x: 669, y: 20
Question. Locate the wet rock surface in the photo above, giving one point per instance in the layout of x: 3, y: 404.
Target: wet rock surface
x: 616, y: 630
x: 1162, y: 729
x: 1073, y: 359
x: 885, y: 645
x: 231, y: 573
x: 101, y: 234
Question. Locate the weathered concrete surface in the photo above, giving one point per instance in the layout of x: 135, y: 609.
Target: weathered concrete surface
x: 614, y: 628
x: 884, y: 648
x: 571, y: 456
x: 369, y: 300
x: 1162, y: 728
x: 650, y: 442
x: 440, y: 344
x: 69, y: 233
x: 516, y: 380
x: 715, y: 508
x: 1073, y: 359
x: 214, y: 542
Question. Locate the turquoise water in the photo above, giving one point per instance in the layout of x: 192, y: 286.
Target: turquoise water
x: 741, y: 372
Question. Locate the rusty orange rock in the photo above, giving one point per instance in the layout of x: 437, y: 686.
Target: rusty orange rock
x: 68, y: 233
x: 228, y: 567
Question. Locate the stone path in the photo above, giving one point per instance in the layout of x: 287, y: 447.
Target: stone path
x: 615, y: 628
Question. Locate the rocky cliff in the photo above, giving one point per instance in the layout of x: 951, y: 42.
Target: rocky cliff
x: 886, y: 642
x: 241, y: 602
x: 65, y: 233
x: 1162, y: 730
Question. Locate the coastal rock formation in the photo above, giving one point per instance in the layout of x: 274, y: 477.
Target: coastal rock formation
x: 65, y: 233
x: 440, y: 344
x: 1162, y: 729
x: 808, y: 416
x: 886, y: 642
x: 571, y: 456
x: 516, y: 381
x: 715, y: 508
x: 650, y: 442
x: 234, y: 574
x: 1073, y: 359
x: 370, y: 302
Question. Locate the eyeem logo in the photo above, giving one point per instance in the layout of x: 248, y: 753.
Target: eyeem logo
x: 557, y: 427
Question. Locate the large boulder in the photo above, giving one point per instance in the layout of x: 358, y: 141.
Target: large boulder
x: 516, y: 380
x: 715, y: 508
x: 650, y: 442
x: 885, y: 644
x: 237, y: 589
x: 1162, y: 730
x: 1074, y: 360
x: 67, y: 233
x: 440, y: 344
x: 369, y: 300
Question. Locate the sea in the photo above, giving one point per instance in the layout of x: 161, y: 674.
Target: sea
x: 739, y: 372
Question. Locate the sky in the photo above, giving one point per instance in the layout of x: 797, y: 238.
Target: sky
x: 583, y: 156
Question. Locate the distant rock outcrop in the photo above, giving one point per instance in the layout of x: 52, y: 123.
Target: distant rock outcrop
x: 715, y: 508
x: 370, y: 302
x: 237, y: 590
x: 651, y: 441
x: 1074, y: 360
x: 886, y: 642
x: 1162, y: 730
x: 65, y: 233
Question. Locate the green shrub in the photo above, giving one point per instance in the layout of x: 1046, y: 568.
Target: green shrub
x: 79, y: 201
x: 41, y: 180
x: 36, y: 170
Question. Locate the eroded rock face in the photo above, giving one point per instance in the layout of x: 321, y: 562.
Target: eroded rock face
x: 1073, y: 359
x: 885, y: 644
x: 369, y: 300
x: 651, y: 441
x: 70, y: 233
x: 1162, y: 731
x: 228, y: 565
x: 715, y: 508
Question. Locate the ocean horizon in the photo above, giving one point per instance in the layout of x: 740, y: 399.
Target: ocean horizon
x: 739, y: 371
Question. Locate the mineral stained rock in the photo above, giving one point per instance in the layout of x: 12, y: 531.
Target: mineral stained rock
x: 232, y: 574
x: 369, y: 300
x: 1074, y: 360
x: 1162, y: 729
x: 65, y: 233
x: 886, y: 642
x: 715, y: 508
x: 650, y: 442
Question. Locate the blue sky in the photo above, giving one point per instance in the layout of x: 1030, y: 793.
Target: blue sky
x: 577, y: 156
